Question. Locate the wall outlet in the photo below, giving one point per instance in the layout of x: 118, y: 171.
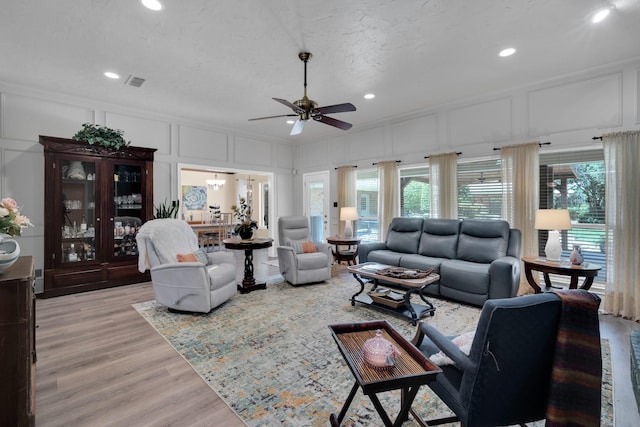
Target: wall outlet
x: 38, y: 272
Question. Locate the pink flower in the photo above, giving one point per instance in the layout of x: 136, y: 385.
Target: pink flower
x: 9, y: 203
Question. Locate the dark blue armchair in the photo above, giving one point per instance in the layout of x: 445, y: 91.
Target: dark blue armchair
x: 507, y: 377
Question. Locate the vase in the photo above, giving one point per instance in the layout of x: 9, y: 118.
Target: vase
x: 9, y: 253
x: 246, y: 233
x: 576, y: 255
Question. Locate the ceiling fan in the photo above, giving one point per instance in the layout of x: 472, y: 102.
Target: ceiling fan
x: 306, y: 108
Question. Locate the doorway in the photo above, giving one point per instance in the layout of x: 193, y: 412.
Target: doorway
x: 316, y: 203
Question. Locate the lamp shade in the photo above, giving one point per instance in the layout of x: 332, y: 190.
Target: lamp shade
x: 348, y: 214
x: 552, y: 219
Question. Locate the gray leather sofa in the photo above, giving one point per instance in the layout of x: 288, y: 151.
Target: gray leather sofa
x: 477, y: 260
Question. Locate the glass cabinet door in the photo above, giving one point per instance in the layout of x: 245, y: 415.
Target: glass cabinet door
x: 78, y: 211
x: 127, y: 210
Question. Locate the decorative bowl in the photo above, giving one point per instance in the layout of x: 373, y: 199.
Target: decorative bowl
x: 9, y: 253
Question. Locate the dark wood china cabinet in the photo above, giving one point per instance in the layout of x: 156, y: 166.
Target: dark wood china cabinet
x: 96, y: 199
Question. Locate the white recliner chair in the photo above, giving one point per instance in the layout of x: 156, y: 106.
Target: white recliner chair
x: 300, y: 268
x: 184, y: 286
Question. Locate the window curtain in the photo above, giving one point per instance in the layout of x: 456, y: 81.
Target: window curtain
x: 346, y: 191
x: 443, y: 180
x: 622, y: 176
x: 388, y: 178
x: 520, y: 173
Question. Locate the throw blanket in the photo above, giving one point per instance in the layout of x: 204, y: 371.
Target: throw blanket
x: 576, y: 377
x: 169, y: 237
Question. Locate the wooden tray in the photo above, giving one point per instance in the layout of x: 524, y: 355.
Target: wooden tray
x: 389, y: 302
x: 411, y: 368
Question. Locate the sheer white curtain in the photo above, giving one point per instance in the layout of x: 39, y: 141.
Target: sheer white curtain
x: 388, y: 178
x: 443, y: 181
x: 346, y: 191
x: 520, y: 166
x: 622, y: 178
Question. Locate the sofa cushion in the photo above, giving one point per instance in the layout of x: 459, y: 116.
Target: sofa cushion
x: 483, y: 241
x: 384, y: 257
x: 469, y: 277
x: 439, y: 238
x: 404, y: 235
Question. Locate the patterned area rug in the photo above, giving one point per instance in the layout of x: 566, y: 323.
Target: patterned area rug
x: 269, y: 354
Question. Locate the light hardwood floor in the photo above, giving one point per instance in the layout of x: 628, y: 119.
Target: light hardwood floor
x: 101, y: 364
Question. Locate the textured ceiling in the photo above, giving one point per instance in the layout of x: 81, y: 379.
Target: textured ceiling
x: 221, y: 62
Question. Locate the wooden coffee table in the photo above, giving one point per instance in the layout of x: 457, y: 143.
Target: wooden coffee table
x: 405, y: 308
x: 412, y: 369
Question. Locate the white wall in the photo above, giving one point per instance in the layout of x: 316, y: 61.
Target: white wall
x: 567, y: 112
x: 25, y: 114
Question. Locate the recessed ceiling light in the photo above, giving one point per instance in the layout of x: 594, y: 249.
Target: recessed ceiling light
x: 600, y: 15
x: 152, y: 4
x: 369, y: 96
x: 290, y: 122
x: 111, y: 75
x: 507, y: 52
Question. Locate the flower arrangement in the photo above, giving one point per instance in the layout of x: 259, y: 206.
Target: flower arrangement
x: 242, y: 212
x: 11, y: 221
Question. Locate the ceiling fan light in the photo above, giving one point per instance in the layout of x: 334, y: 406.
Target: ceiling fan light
x: 600, y: 15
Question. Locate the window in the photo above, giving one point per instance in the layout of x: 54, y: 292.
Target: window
x: 415, y: 193
x: 367, y: 191
x: 480, y: 190
x: 575, y: 181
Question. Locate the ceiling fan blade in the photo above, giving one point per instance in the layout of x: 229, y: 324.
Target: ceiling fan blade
x: 333, y: 122
x: 273, y: 117
x: 290, y: 105
x: 297, y: 127
x: 338, y: 108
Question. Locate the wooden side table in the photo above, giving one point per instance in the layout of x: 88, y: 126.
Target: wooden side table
x: 412, y: 369
x: 349, y: 255
x: 587, y: 270
x: 248, y: 246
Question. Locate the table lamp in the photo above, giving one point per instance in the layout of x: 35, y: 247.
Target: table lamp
x: 347, y: 215
x: 553, y: 220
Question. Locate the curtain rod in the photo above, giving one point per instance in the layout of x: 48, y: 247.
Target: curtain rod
x: 540, y: 144
x: 457, y: 154
x: 397, y: 161
x: 353, y: 166
x: 597, y: 137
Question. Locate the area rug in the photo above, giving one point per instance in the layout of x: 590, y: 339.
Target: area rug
x: 270, y: 355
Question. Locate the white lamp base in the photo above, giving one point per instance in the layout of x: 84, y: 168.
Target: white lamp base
x: 553, y: 248
x: 348, y: 229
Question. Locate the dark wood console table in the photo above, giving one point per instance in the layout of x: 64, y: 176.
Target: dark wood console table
x: 587, y: 270
x: 17, y: 344
x: 248, y: 246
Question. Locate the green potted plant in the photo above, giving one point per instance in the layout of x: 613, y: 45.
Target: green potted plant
x: 245, y: 225
x: 167, y: 209
x: 102, y: 136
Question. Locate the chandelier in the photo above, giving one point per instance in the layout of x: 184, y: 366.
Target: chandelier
x: 215, y: 183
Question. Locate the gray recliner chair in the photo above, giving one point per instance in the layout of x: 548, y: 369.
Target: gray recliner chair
x: 296, y: 266
x: 193, y: 286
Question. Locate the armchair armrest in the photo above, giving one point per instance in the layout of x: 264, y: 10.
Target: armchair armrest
x: 443, y: 343
x: 504, y: 274
x: 365, y: 248
x: 183, y: 274
x: 286, y: 259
